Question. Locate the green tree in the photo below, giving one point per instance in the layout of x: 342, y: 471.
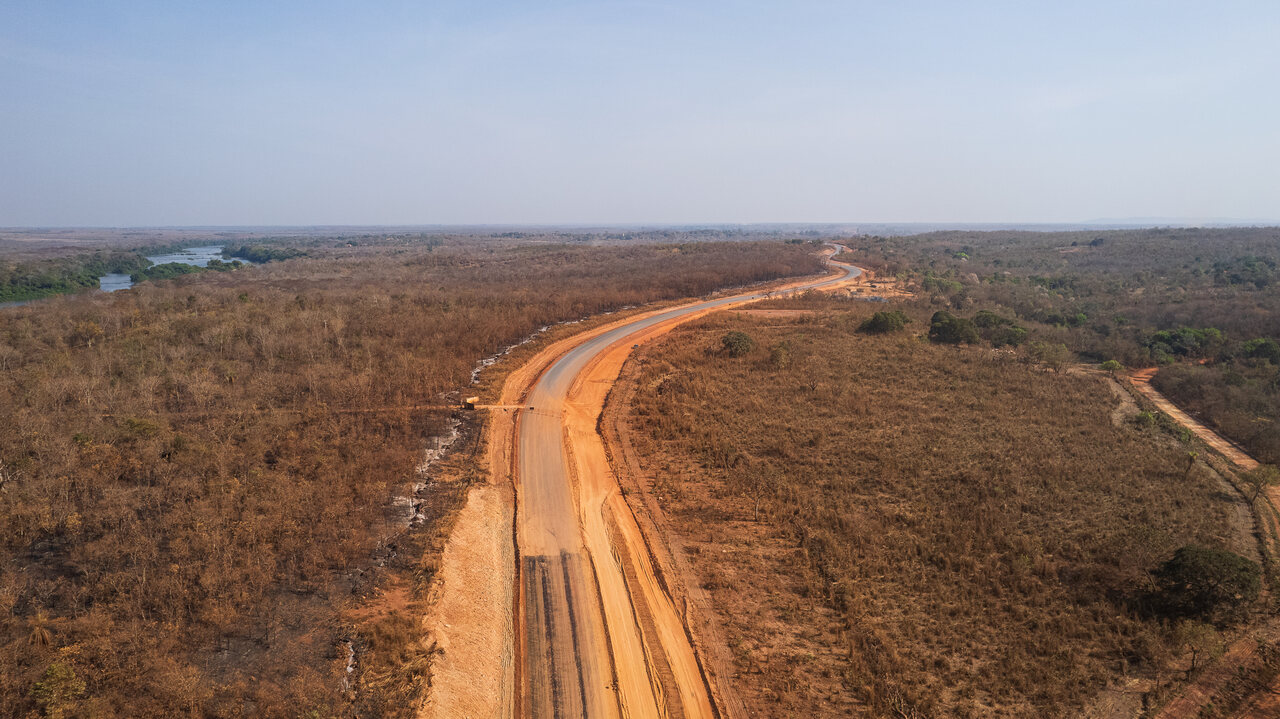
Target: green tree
x: 1263, y: 348
x: 947, y: 328
x: 999, y: 331
x: 1206, y: 583
x: 882, y: 322
x: 1112, y: 366
x: 56, y: 693
x: 1053, y: 356
x: 1186, y: 341
x: 1010, y: 336
x: 167, y: 271
x: 737, y: 343
x: 940, y: 285
x: 986, y: 319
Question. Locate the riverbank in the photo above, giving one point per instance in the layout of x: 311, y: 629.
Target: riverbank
x: 110, y: 273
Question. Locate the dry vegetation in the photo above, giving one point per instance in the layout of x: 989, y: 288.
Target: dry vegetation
x: 896, y: 528
x: 1167, y: 297
x: 195, y: 475
x: 1238, y: 397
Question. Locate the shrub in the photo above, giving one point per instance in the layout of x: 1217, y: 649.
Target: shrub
x: 780, y: 355
x: 1263, y: 348
x: 999, y: 331
x: 57, y: 691
x: 1112, y: 366
x: 947, y: 328
x: 1053, y: 356
x: 1163, y: 422
x: 84, y: 334
x: 737, y: 343
x: 1200, y: 639
x: 136, y: 427
x: 986, y: 319
x: 262, y: 253
x: 1011, y: 336
x: 167, y: 271
x: 1259, y: 479
x: 1207, y: 583
x: 940, y: 285
x: 1186, y: 341
x: 887, y: 321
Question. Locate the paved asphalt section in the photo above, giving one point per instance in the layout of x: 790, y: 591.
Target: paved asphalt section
x: 570, y: 663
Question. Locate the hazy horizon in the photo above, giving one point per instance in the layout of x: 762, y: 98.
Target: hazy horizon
x: 147, y: 114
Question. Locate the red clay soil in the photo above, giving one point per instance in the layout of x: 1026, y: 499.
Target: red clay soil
x: 474, y: 676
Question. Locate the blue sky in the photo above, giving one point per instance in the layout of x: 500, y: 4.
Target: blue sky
x: 184, y: 113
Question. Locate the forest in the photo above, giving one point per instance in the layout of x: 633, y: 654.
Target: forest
x: 169, y: 270
x: 199, y: 477
x: 262, y: 252
x: 33, y: 279
x: 68, y: 271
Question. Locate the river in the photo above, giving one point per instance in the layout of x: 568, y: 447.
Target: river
x: 198, y: 256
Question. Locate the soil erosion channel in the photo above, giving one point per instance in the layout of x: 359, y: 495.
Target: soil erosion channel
x: 598, y: 633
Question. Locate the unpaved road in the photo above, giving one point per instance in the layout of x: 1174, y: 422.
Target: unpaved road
x: 1141, y: 379
x: 598, y: 633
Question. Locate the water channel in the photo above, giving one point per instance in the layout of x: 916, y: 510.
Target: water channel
x: 198, y: 256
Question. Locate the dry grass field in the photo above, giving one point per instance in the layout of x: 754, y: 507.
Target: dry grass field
x: 893, y: 528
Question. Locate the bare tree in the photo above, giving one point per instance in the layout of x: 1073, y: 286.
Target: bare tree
x: 1259, y: 479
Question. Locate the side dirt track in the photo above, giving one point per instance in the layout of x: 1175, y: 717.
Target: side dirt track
x: 1141, y: 380
x: 578, y: 620
x: 1231, y: 679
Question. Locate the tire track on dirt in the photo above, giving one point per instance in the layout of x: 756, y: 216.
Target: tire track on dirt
x: 496, y: 648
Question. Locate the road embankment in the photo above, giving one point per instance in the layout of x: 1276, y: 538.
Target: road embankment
x: 603, y: 634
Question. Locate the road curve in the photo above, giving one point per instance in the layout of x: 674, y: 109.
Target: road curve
x: 598, y: 634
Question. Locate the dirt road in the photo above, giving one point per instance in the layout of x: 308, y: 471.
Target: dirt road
x: 598, y: 633
x: 1141, y: 380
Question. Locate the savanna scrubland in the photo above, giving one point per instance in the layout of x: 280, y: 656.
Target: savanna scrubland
x: 1203, y: 304
x: 206, y: 484
x: 199, y: 477
x: 895, y: 526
